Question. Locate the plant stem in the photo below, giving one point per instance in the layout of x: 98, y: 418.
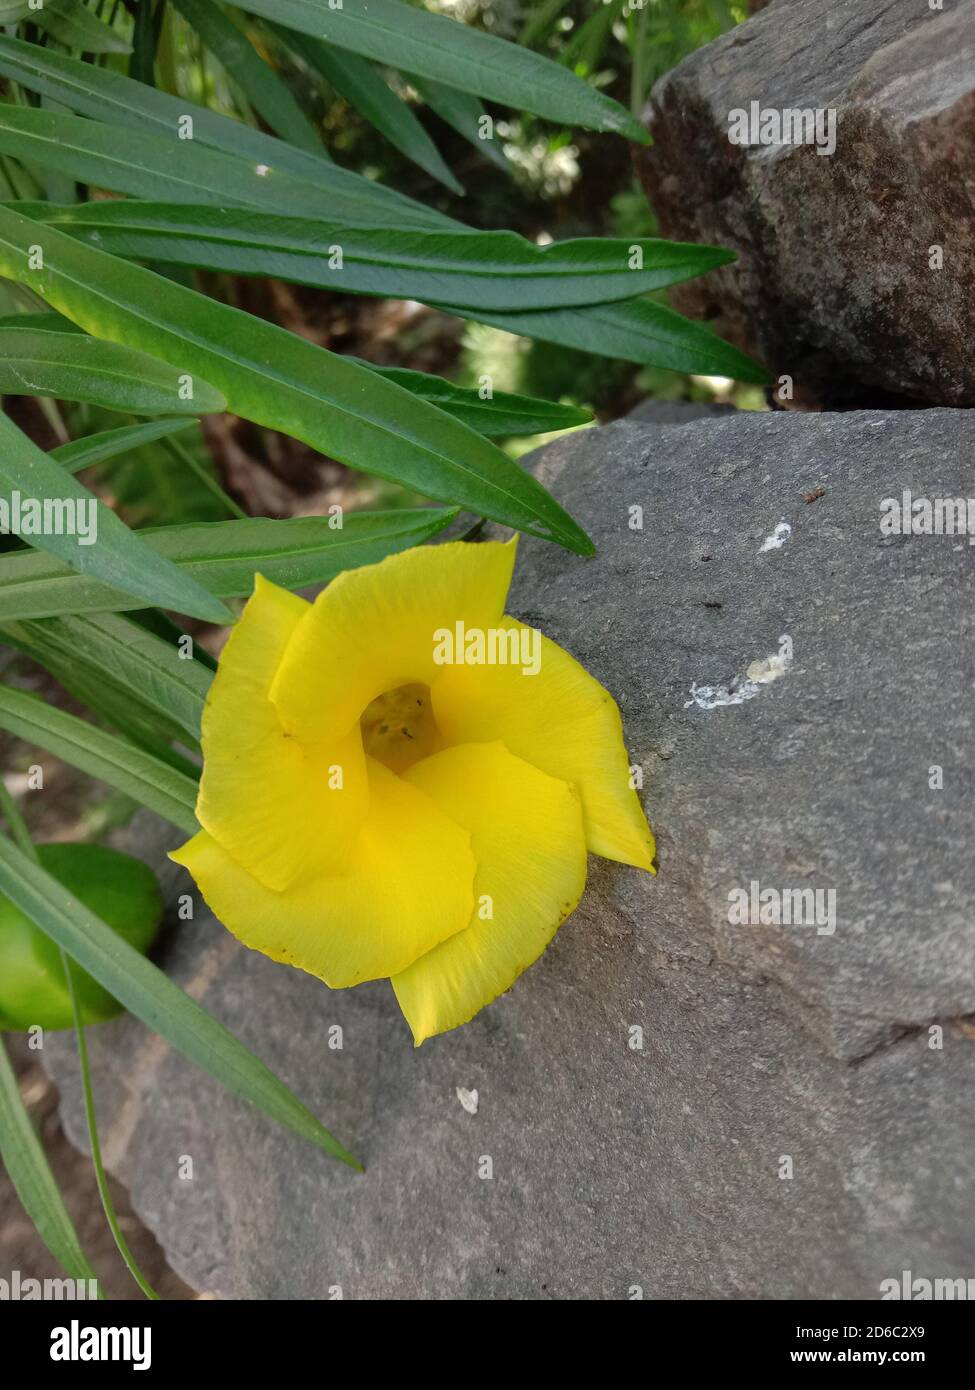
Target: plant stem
x: 96, y: 1151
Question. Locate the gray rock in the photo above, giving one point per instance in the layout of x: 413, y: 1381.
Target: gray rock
x: 834, y: 285
x: 658, y: 1168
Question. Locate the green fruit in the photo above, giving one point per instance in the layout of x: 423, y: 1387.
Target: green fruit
x: 122, y: 891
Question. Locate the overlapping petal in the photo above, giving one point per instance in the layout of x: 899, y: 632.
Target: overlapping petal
x: 527, y: 837
x: 282, y: 810
x: 563, y: 722
x: 373, y: 630
x: 407, y: 887
x: 368, y: 811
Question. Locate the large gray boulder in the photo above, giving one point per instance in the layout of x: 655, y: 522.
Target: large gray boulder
x: 845, y: 1056
x: 839, y: 282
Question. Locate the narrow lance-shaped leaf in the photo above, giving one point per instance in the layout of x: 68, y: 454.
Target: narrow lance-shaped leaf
x: 282, y: 381
x: 42, y: 499
x: 501, y: 414
x: 112, y: 98
x: 489, y: 270
x: 126, y: 712
x: 465, y: 114
x: 455, y: 53
x: 366, y: 90
x: 148, y: 780
x: 264, y: 89
x: 224, y: 556
x: 29, y: 1171
x: 75, y: 367
x: 152, y: 997
x: 108, y: 444
x: 497, y: 414
x: 74, y: 25
x: 147, y: 668
x: 154, y: 620
x: 636, y: 330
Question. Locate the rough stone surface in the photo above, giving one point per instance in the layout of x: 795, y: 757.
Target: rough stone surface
x: 834, y: 285
x: 658, y: 1167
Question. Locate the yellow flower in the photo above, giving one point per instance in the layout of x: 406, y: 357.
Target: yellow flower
x: 376, y: 802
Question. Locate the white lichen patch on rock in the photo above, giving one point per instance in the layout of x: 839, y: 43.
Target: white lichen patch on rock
x: 741, y: 688
x: 777, y: 539
x: 468, y: 1099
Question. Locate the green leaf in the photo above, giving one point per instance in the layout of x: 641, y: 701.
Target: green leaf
x: 74, y: 367
x: 39, y: 320
x: 146, y: 779
x: 456, y: 54
x: 262, y: 86
x: 224, y: 556
x: 324, y: 189
x: 114, y: 703
x: 479, y: 270
x: 116, y: 706
x: 367, y: 91
x: 145, y: 38
x: 152, y: 997
x: 146, y: 668
x: 155, y: 620
x: 501, y: 415
x: 284, y: 382
x: 74, y: 25
x: 29, y: 1171
x: 108, y: 444
x: 464, y: 113
x: 637, y: 330
x: 118, y: 557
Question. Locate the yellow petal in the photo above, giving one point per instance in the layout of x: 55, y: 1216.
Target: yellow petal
x: 562, y: 721
x: 527, y: 838
x: 282, y: 810
x: 373, y: 630
x: 406, y: 888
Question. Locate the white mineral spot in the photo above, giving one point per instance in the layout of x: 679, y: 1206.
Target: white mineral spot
x: 741, y: 688
x: 769, y: 668
x: 468, y: 1100
x: 263, y: 170
x: 777, y: 539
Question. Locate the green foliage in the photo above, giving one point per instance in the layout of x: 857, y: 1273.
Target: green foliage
x: 34, y: 989
x: 155, y: 159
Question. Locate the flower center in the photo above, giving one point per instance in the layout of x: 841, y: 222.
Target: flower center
x: 398, y: 727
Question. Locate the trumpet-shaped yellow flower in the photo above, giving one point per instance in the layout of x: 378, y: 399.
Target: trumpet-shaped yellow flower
x: 401, y: 782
